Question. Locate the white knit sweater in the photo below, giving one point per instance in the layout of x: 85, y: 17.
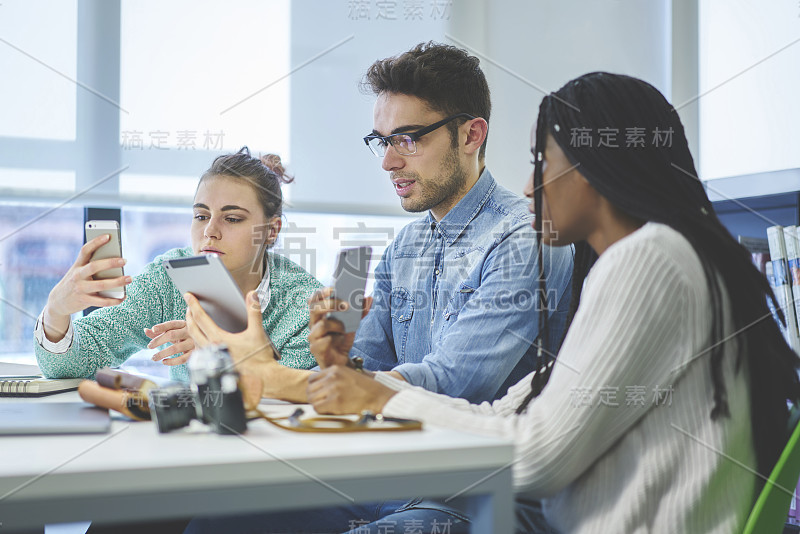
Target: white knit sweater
x: 655, y: 462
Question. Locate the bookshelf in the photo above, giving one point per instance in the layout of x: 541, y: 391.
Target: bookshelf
x: 751, y: 216
x: 747, y: 206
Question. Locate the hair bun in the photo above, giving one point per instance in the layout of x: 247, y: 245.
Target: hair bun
x: 273, y: 163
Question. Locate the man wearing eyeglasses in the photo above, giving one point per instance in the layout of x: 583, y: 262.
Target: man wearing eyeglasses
x: 454, y: 306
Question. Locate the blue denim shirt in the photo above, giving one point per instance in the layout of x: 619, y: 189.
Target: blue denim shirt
x: 455, y: 301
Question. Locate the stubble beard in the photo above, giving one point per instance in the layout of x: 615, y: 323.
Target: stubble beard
x: 438, y: 190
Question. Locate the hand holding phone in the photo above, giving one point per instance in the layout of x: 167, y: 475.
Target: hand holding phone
x: 111, y: 249
x: 332, y: 329
x: 349, y: 285
x: 329, y: 343
x: 78, y: 289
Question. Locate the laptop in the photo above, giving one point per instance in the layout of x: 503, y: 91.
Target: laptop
x: 39, y: 418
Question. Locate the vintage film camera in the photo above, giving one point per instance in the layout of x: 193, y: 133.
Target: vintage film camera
x: 213, y: 396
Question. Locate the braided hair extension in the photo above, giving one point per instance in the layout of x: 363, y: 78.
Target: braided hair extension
x: 658, y: 182
x: 585, y: 256
x: 542, y: 369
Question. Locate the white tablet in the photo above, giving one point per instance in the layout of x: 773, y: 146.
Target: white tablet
x: 207, y: 279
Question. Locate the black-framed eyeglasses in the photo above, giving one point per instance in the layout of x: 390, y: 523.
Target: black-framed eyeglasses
x: 406, y: 143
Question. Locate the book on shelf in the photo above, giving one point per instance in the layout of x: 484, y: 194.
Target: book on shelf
x: 770, y: 304
x: 758, y: 247
x: 793, y: 261
x: 782, y: 284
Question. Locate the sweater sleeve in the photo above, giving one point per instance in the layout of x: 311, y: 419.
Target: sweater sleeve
x: 295, y: 352
x: 109, y: 336
x: 505, y: 406
x: 630, y: 333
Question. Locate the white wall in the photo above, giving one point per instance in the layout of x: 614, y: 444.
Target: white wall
x: 543, y: 43
x: 548, y: 43
x: 750, y: 79
x: 746, y: 125
x: 334, y: 169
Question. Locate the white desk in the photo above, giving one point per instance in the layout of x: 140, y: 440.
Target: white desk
x: 134, y: 473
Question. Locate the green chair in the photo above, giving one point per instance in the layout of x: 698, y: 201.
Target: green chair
x: 771, y: 509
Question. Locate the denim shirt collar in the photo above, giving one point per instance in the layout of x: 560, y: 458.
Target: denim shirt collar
x: 453, y: 224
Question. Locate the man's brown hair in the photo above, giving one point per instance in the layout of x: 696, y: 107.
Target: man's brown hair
x: 447, y: 78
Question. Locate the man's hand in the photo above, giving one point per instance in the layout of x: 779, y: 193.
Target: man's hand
x: 251, y: 386
x: 330, y: 344
x: 251, y: 350
x: 341, y: 390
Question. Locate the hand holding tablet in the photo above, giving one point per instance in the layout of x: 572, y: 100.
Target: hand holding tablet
x: 222, y: 309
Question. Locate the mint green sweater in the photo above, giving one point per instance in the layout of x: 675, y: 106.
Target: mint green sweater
x: 109, y: 336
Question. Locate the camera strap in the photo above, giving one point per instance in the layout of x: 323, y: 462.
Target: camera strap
x: 367, y: 422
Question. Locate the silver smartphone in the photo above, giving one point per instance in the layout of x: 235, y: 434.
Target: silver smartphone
x: 207, y: 278
x: 112, y: 249
x: 349, y: 284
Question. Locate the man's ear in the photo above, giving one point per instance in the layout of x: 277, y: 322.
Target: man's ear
x: 477, y: 130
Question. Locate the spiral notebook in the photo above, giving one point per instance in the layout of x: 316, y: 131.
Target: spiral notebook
x: 20, y: 380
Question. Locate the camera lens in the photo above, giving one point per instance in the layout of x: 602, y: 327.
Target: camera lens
x: 172, y: 408
x: 222, y: 406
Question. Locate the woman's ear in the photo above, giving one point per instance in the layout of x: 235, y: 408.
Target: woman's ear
x: 275, y: 224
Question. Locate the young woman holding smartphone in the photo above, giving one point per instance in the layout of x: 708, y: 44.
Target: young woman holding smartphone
x: 237, y: 214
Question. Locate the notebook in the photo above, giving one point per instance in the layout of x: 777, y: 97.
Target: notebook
x: 19, y: 370
x: 25, y: 418
x: 20, y: 380
x: 37, y: 387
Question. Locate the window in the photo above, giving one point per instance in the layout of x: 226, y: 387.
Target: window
x: 167, y: 188
x: 37, y: 96
x: 197, y: 78
x: 217, y: 72
x: 38, y: 244
x: 37, y: 181
x: 312, y: 240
